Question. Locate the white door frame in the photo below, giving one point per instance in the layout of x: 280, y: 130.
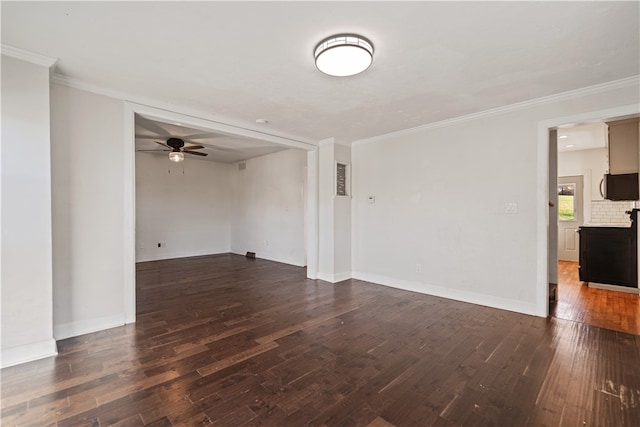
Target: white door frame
x: 543, y: 196
x: 129, y: 250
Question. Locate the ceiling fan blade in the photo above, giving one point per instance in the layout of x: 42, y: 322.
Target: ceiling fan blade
x: 213, y: 147
x: 163, y: 144
x: 197, y: 153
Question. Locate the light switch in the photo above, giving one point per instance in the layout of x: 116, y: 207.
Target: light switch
x: 371, y: 199
x: 510, y: 208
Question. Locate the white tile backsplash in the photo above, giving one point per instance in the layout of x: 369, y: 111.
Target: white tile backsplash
x: 610, y: 212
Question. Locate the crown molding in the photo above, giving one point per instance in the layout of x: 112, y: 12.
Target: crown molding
x: 78, y: 84
x: 25, y: 55
x: 154, y: 103
x: 563, y: 96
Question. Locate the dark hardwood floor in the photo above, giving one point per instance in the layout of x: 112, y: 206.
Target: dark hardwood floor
x: 615, y: 310
x: 229, y: 341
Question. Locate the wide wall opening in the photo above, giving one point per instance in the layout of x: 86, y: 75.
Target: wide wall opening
x: 200, y: 189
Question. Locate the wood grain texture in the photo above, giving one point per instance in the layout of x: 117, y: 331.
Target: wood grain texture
x: 619, y: 311
x: 230, y: 341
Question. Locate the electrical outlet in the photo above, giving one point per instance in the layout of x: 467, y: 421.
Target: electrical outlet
x: 159, y: 245
x: 418, y: 268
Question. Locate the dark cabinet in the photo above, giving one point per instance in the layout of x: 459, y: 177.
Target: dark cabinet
x: 609, y: 255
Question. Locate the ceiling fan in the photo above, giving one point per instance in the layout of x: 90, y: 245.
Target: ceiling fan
x: 177, y: 148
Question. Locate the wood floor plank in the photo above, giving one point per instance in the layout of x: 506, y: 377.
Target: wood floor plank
x: 226, y: 340
x: 236, y: 358
x: 597, y: 307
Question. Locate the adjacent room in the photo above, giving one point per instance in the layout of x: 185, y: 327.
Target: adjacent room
x: 593, y: 221
x: 228, y: 194
x: 319, y: 213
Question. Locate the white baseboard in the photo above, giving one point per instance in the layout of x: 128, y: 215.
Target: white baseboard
x: 174, y: 255
x: 81, y: 327
x: 288, y: 261
x: 339, y: 277
x: 334, y: 278
x: 27, y: 353
x: 627, y: 289
x: 325, y: 277
x: 454, y: 294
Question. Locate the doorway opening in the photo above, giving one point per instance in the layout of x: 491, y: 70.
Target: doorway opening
x: 161, y: 123
x: 578, y: 160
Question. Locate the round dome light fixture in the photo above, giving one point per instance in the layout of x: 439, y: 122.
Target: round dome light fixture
x: 343, y: 55
x: 176, y: 156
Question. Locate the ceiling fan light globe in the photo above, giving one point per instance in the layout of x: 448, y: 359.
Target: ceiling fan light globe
x: 176, y: 156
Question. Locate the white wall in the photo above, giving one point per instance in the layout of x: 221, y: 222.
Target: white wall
x: 440, y: 203
x: 326, y: 196
x: 342, y: 222
x: 88, y: 211
x: 188, y: 213
x: 26, y: 258
x: 334, y: 219
x: 312, y: 215
x: 268, y: 207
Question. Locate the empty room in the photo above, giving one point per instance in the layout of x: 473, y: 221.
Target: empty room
x: 320, y: 213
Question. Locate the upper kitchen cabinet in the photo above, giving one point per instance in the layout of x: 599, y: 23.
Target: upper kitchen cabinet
x: 623, y: 146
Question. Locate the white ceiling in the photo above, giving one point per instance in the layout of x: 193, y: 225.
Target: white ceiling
x: 218, y: 147
x: 240, y: 61
x: 586, y: 136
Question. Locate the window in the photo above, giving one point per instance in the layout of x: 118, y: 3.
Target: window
x: 567, y: 202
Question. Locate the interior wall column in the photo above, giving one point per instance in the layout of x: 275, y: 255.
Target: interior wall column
x: 312, y: 214
x: 334, y: 215
x: 26, y: 257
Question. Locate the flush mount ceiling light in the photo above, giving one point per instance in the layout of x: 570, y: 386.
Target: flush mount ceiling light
x: 343, y: 55
x: 176, y: 156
